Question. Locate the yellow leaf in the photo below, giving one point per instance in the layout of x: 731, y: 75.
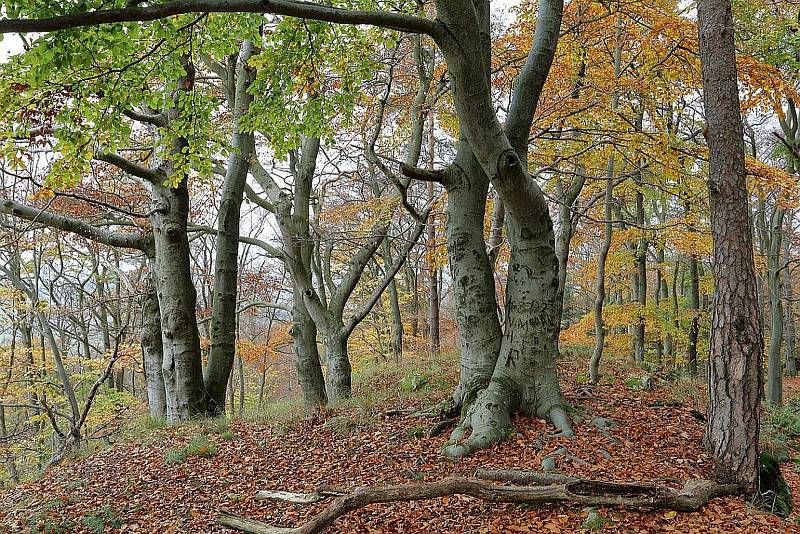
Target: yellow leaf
x: 670, y: 515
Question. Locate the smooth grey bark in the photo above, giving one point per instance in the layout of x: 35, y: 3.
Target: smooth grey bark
x: 600, y: 287
x: 737, y: 345
x: 789, y: 331
x: 694, y: 310
x: 790, y: 126
x: 475, y: 303
x: 524, y: 379
x: 306, y: 353
x: 467, y: 185
x: 226, y: 262
x: 177, y: 298
x: 641, y: 277
x: 153, y: 353
x: 330, y: 317
x: 292, y: 213
x: 775, y: 289
x: 183, y: 376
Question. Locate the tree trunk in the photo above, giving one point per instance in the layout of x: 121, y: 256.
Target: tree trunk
x: 306, y: 353
x: 411, y: 278
x: 608, y: 229
x: 737, y: 345
x: 433, y: 283
x: 657, y: 301
x: 791, y: 363
x: 394, y: 305
x: 774, y: 287
x: 11, y: 464
x: 473, y: 281
x: 339, y: 384
x: 183, y: 376
x: 524, y: 378
x: 694, y: 308
x: 226, y: 262
x: 641, y: 278
x: 600, y: 287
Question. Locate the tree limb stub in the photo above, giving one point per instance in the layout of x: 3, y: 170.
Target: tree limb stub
x: 693, y: 496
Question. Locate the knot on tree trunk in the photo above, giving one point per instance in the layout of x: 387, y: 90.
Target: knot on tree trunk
x: 172, y: 230
x: 508, y: 164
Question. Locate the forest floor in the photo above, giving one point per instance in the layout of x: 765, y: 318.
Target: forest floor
x: 149, y: 485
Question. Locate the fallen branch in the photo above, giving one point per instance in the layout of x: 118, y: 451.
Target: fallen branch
x: 525, y: 478
x: 694, y: 495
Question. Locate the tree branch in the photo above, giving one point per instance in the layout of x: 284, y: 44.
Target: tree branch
x: 395, y: 21
x: 529, y: 84
x: 390, y: 274
x: 130, y: 167
x: 272, y: 251
x: 78, y: 227
x: 355, y: 267
x: 692, y: 497
x: 154, y: 119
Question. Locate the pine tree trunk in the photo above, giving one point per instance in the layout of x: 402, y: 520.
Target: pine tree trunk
x: 737, y: 345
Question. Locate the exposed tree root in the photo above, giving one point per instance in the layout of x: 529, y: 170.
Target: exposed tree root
x: 441, y: 426
x: 693, y: 496
x: 488, y: 420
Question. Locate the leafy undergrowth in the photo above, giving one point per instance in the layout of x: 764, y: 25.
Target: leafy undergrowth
x: 143, y: 487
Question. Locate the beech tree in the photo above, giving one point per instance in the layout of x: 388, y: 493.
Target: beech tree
x: 506, y: 368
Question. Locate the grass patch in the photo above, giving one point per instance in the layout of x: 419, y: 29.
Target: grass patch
x: 779, y: 425
x: 175, y: 456
x: 685, y: 391
x: 100, y: 519
x: 280, y: 412
x: 416, y: 432
x: 214, y: 425
x: 413, y: 382
x: 229, y: 436
x: 200, y: 446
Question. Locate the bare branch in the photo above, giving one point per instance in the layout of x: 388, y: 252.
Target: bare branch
x: 396, y: 21
x: 154, y: 119
x: 78, y: 227
x: 130, y: 167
